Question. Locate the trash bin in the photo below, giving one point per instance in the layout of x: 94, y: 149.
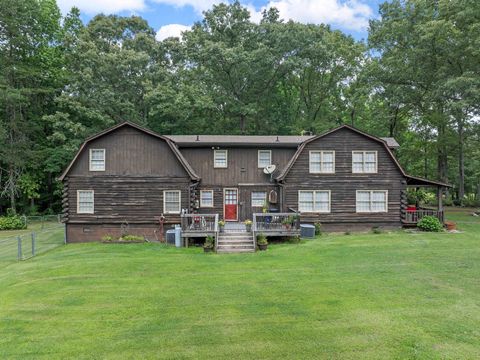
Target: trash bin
x: 171, y: 237
x: 307, y: 231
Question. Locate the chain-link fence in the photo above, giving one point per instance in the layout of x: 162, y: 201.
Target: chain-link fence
x: 40, y: 236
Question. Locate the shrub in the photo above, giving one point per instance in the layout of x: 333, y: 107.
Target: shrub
x: 430, y: 223
x: 262, y: 239
x: 295, y: 239
x: 221, y: 223
x: 127, y: 237
x: 12, y: 222
x: 209, y: 242
x: 318, y: 228
x: 107, y: 238
x: 248, y: 222
x: 376, y: 230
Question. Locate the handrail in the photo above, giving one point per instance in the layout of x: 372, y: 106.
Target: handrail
x: 414, y: 216
x: 216, y: 231
x: 254, y: 231
x: 199, y: 222
x: 273, y: 222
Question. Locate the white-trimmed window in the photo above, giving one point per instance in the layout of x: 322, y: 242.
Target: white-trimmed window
x: 264, y: 158
x: 259, y: 198
x: 314, y: 201
x: 364, y: 162
x: 97, y: 160
x: 372, y: 201
x: 206, y: 198
x: 322, y: 162
x: 85, y: 201
x: 171, y: 201
x: 220, y: 158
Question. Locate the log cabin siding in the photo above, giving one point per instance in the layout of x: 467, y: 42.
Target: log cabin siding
x: 343, y: 183
x: 125, y: 198
x: 129, y: 151
x: 242, y: 165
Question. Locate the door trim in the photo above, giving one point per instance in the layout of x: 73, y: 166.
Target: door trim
x: 224, y: 190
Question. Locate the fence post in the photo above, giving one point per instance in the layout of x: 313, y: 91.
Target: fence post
x: 33, y: 243
x: 19, y: 248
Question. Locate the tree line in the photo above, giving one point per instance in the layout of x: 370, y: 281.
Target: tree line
x: 416, y: 78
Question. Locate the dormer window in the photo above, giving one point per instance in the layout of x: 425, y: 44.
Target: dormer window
x: 97, y: 159
x: 264, y: 158
x: 220, y: 158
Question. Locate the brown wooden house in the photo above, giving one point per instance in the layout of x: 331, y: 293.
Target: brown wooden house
x: 127, y: 177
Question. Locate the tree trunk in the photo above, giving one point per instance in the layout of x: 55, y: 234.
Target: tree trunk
x: 461, y: 162
x: 11, y: 180
x: 243, y: 121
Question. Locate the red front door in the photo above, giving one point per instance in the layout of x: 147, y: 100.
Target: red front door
x: 230, y: 205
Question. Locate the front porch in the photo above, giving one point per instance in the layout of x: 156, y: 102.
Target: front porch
x: 411, y: 214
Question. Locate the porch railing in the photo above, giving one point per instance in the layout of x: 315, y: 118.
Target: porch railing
x: 414, y: 216
x: 275, y: 223
x: 200, y: 225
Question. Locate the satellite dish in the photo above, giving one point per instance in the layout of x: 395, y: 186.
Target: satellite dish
x: 269, y: 169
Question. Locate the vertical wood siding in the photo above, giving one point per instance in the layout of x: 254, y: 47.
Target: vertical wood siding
x: 242, y: 165
x: 129, y: 151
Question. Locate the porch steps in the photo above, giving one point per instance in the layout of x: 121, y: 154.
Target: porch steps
x: 235, y: 242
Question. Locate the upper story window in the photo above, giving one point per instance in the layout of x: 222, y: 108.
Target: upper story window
x: 85, y: 200
x: 97, y: 159
x: 259, y: 198
x: 220, y: 158
x: 206, y: 198
x: 364, y: 162
x: 171, y: 201
x: 264, y: 158
x: 314, y: 201
x: 322, y: 162
x: 371, y: 201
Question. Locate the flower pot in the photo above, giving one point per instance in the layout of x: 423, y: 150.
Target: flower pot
x: 450, y: 225
x: 262, y: 247
x: 208, y: 249
x: 248, y: 227
x: 222, y: 228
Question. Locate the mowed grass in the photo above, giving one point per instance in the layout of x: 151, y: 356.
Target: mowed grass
x: 361, y: 296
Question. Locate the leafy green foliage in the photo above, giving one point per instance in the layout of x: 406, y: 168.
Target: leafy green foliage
x: 209, y: 242
x: 12, y: 222
x: 262, y: 239
x: 430, y: 223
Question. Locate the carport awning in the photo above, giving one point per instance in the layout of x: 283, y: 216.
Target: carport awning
x: 418, y: 181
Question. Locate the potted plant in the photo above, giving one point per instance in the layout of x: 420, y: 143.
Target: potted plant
x: 262, y: 242
x: 287, y: 223
x: 248, y: 225
x: 450, y: 225
x: 209, y: 244
x: 221, y: 225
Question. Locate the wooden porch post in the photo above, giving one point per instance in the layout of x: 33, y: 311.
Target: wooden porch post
x: 440, y: 203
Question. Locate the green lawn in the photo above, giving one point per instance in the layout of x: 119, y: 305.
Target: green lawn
x: 362, y: 296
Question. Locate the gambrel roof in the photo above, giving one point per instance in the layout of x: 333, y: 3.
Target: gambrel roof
x: 386, y: 142
x: 191, y: 173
